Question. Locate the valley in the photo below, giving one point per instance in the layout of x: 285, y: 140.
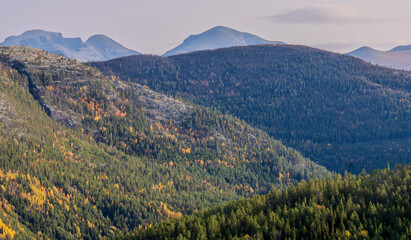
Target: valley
x: 201, y: 120
x: 337, y: 110
x: 88, y: 156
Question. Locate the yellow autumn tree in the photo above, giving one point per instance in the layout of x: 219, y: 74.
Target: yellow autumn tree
x: 6, y: 232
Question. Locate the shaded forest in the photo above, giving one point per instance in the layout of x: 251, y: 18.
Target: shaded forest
x: 337, y: 110
x: 87, y: 156
x: 368, y: 206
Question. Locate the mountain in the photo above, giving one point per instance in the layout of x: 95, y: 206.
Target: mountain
x: 217, y: 37
x: 340, y: 208
x: 398, y: 57
x: 85, y: 156
x: 108, y: 48
x: 96, y: 48
x: 337, y: 110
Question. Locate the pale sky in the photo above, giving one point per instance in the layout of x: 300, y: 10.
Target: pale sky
x: 155, y: 26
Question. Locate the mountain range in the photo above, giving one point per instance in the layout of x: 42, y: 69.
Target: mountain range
x: 218, y: 37
x: 153, y: 147
x: 331, y: 107
x: 102, y: 48
x: 88, y: 156
x: 398, y: 57
x: 96, y: 48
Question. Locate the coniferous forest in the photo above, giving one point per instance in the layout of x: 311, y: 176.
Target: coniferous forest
x: 337, y: 110
x: 368, y: 206
x: 87, y: 156
x: 233, y: 143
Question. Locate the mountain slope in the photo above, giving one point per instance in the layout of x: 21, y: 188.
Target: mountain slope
x: 399, y: 57
x: 217, y: 37
x: 87, y: 156
x: 336, y: 109
x: 96, y: 48
x: 108, y: 48
x: 340, y: 208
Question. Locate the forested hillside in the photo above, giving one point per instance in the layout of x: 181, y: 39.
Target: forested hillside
x: 368, y: 206
x: 338, y: 110
x: 87, y: 156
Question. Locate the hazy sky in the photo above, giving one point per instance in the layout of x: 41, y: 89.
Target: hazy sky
x: 155, y: 26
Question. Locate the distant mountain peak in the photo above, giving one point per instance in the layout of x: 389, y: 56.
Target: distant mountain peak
x: 33, y: 35
x: 108, y: 48
x: 366, y: 48
x: 97, y: 48
x: 99, y: 37
x: 398, y: 57
x: 218, y: 37
x: 40, y: 32
x: 221, y: 27
x: 401, y: 48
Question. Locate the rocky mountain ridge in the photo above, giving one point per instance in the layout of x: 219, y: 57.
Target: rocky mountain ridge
x: 96, y: 48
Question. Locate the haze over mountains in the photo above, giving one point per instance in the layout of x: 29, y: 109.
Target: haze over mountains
x: 102, y: 149
x: 102, y: 48
x: 96, y: 48
x: 398, y: 57
x: 218, y: 37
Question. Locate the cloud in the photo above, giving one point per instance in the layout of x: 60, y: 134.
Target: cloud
x: 322, y: 15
